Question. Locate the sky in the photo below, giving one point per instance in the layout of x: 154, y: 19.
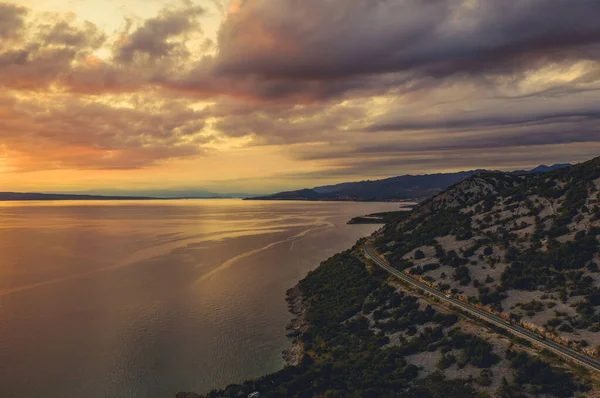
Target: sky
x: 260, y: 96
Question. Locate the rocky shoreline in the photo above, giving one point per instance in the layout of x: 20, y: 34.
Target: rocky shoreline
x: 296, y: 327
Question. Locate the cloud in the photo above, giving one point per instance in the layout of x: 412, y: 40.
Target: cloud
x: 323, y: 49
x: 281, y: 124
x: 43, y: 50
x: 320, y: 50
x: 62, y: 33
x: 329, y: 50
x: 155, y: 37
x: 314, y: 39
x: 324, y: 39
x: 448, y: 122
x: 495, y: 140
x: 350, y: 87
x: 12, y: 21
x: 64, y: 132
x: 436, y: 160
x: 483, y: 121
x: 58, y: 50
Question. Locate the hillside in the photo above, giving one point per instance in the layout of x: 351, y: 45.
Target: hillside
x: 395, y: 188
x: 525, y: 246
x: 362, y: 334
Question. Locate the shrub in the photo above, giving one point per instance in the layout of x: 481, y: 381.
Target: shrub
x: 419, y: 255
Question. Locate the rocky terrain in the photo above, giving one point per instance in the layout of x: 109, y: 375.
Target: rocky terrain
x: 525, y: 246
x: 297, y: 326
x: 366, y: 335
x: 522, y: 245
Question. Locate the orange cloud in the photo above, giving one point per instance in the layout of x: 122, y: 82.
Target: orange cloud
x: 236, y: 6
x: 339, y: 86
x: 92, y: 60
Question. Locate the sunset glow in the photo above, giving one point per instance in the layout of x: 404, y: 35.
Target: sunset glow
x: 259, y: 95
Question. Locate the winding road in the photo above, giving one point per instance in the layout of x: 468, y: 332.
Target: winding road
x: 487, y: 316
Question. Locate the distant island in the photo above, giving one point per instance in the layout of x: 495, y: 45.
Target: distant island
x: 406, y: 187
x: 17, y: 196
x: 394, y: 189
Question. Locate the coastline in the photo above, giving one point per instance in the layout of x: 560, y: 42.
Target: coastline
x: 359, y: 200
x: 297, y: 326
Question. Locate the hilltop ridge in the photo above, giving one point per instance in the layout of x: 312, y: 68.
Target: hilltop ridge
x: 404, y: 187
x: 522, y: 245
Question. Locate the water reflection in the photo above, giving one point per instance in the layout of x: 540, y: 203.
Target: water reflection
x: 143, y: 299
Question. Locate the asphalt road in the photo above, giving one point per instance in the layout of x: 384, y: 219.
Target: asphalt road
x: 489, y: 317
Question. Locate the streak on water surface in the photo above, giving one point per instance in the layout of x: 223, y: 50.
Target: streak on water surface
x: 144, y: 299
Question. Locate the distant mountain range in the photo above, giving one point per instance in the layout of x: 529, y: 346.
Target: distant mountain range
x: 7, y: 196
x: 544, y: 169
x: 16, y: 196
x: 390, y: 189
x: 164, y: 193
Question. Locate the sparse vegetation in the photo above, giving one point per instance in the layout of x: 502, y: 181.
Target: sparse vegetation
x: 490, y: 239
x: 497, y: 233
x: 536, y: 376
x: 347, y: 356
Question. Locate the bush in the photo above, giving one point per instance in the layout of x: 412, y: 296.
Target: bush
x: 462, y: 275
x: 542, y: 377
x: 565, y: 328
x: 476, y: 351
x: 446, y: 361
x: 554, y: 322
x: 485, y: 378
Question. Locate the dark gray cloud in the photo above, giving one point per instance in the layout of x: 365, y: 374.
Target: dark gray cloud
x: 327, y: 50
x: 330, y: 50
x: 280, y: 124
x: 59, y: 50
x: 43, y: 51
x: 480, y: 134
x: 63, y: 33
x: 496, y: 140
x: 153, y: 38
x: 359, y: 87
x: 435, y: 161
x: 323, y: 48
x: 11, y: 21
x: 482, y: 121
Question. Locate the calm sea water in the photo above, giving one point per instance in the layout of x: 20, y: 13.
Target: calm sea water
x: 145, y: 299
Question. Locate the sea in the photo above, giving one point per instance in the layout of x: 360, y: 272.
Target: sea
x: 149, y: 298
